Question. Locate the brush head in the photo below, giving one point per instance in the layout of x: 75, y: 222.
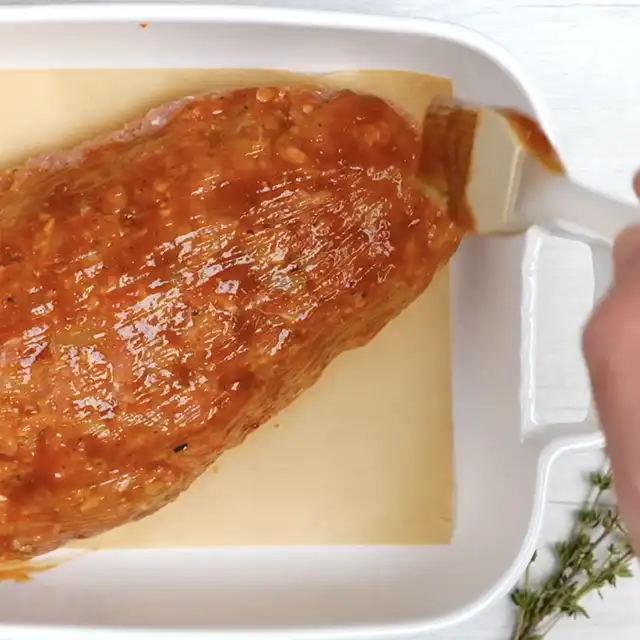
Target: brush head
x: 475, y: 157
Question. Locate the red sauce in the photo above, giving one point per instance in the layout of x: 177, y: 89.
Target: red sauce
x: 445, y: 161
x: 535, y: 140
x: 167, y: 290
x: 24, y: 571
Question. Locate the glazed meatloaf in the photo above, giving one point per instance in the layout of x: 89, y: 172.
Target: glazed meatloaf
x: 167, y: 289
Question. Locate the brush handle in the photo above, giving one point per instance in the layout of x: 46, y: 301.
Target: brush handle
x: 567, y: 208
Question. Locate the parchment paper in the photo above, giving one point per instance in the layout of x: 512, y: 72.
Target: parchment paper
x: 365, y: 456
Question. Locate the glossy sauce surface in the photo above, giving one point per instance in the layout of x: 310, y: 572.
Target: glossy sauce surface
x: 170, y: 288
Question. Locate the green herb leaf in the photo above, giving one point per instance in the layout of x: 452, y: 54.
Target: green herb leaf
x: 594, y: 556
x: 623, y: 571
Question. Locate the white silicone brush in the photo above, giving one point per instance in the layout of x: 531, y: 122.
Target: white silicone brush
x: 498, y: 168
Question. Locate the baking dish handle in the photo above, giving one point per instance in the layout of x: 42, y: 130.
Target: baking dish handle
x: 585, y: 433
x: 583, y: 215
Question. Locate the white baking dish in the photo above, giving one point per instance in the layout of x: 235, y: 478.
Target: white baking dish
x: 502, y: 459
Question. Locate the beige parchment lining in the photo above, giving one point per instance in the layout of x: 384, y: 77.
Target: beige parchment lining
x: 364, y: 457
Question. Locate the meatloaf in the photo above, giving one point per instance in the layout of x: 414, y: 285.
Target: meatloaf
x: 168, y: 288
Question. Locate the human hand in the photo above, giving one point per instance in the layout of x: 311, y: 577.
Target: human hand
x: 611, y: 345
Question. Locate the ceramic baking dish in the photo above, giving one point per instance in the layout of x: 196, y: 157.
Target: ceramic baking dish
x: 502, y: 458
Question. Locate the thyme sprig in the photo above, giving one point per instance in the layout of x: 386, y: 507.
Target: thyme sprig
x: 596, y: 555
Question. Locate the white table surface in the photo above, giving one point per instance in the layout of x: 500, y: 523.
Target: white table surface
x: 584, y: 56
